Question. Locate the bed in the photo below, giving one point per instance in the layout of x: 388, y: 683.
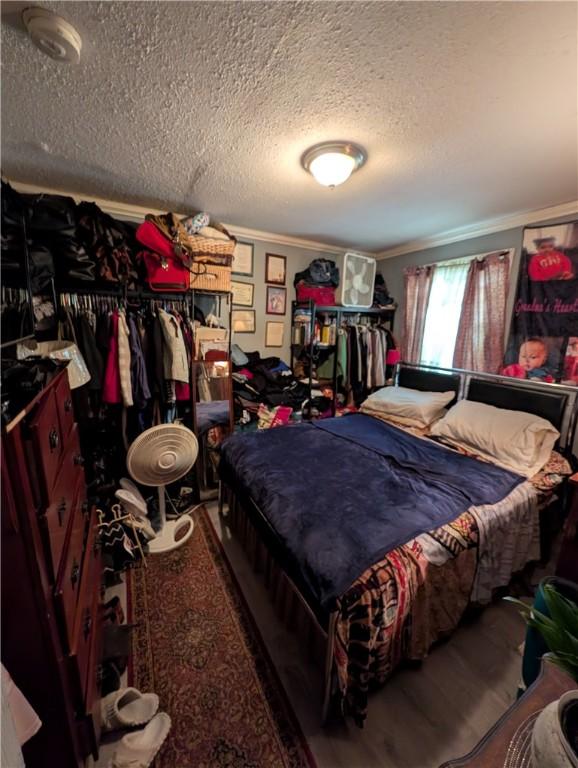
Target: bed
x: 385, y: 536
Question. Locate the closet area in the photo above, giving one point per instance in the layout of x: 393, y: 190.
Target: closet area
x: 116, y: 394
x: 342, y: 353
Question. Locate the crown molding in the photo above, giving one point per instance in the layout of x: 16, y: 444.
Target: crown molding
x: 137, y: 213
x: 483, y: 228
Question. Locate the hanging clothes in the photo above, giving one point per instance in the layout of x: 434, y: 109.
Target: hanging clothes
x: 111, y: 391
x: 183, y: 388
x: 139, y: 379
x: 124, y: 360
x: 86, y: 341
x: 175, y: 363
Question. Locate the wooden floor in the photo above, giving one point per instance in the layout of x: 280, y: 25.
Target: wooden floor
x: 421, y: 717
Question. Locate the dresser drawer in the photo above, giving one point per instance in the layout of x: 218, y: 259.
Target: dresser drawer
x: 89, y: 720
x: 86, y: 619
x: 47, y: 442
x: 55, y: 522
x: 68, y: 584
x: 64, y: 406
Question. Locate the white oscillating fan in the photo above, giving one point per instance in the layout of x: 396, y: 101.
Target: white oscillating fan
x: 160, y: 456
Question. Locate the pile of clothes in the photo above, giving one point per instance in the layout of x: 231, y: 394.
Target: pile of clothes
x: 263, y: 381
x: 318, y: 282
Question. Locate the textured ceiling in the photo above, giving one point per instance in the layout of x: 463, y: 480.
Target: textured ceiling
x: 467, y: 110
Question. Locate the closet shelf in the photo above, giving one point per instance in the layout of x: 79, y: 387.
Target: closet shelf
x: 337, y: 309
x: 135, y: 293
x: 306, y: 319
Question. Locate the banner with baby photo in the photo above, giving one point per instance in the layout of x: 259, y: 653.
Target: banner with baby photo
x: 543, y: 341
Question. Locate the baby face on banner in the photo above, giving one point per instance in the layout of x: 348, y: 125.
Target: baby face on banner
x: 532, y: 361
x: 533, y: 354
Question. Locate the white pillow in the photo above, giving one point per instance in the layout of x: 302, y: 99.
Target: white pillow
x: 515, y: 440
x: 423, y: 407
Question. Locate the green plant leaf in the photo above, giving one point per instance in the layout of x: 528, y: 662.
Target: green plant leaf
x: 559, y: 629
x: 563, y: 611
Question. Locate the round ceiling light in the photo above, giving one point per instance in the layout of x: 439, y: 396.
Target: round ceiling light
x: 333, y: 162
x: 52, y: 34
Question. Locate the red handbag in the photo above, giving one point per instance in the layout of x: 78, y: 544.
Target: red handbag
x: 166, y: 273
x: 322, y: 295
x: 149, y: 235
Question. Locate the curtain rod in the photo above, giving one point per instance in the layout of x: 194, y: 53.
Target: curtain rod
x: 462, y: 259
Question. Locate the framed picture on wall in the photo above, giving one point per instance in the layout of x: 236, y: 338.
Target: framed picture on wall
x: 243, y: 259
x: 242, y: 293
x: 275, y: 269
x: 274, y: 334
x: 276, y: 300
x: 243, y: 320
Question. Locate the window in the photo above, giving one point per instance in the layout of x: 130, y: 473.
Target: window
x: 443, y: 313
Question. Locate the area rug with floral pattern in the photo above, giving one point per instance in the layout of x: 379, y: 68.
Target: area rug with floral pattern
x: 196, y: 645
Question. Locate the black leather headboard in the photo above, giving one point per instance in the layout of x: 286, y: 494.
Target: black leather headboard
x: 548, y: 405
x: 429, y: 381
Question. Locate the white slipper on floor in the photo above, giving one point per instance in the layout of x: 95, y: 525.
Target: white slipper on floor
x: 126, y: 708
x: 138, y: 750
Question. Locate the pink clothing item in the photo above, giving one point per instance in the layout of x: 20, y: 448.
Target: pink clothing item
x: 26, y: 721
x: 111, y: 392
x: 246, y: 372
x: 282, y: 416
x: 182, y: 391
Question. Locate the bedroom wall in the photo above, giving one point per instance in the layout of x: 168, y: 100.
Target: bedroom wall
x: 392, y: 269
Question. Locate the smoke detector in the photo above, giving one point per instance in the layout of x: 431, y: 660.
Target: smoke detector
x: 53, y: 34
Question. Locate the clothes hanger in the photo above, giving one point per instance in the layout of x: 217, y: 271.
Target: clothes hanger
x: 117, y: 517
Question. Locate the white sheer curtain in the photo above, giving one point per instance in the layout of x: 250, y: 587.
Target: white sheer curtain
x: 443, y: 313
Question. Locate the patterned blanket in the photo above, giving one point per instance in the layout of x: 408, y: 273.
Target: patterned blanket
x: 418, y: 593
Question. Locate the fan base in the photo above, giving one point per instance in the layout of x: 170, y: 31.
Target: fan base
x: 166, y: 540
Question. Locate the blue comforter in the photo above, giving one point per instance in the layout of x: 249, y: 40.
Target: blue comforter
x: 342, y: 493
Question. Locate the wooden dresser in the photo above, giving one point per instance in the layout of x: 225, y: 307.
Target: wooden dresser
x: 51, y: 578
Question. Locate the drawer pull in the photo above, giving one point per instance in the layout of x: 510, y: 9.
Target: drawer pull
x: 78, y: 460
x: 53, y: 439
x: 87, y: 626
x: 60, y: 511
x: 74, y: 573
x: 68, y: 405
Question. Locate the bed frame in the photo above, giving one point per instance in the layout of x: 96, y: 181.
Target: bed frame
x: 556, y: 403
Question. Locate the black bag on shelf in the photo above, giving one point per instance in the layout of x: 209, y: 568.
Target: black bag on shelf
x: 16, y: 215
x: 51, y: 213
x: 319, y: 272
x: 12, y: 253
x: 52, y: 224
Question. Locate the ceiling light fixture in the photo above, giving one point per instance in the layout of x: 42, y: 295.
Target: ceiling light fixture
x: 52, y: 34
x: 333, y: 162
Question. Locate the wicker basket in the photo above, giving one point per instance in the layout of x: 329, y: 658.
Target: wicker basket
x: 210, y: 277
x: 212, y: 250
